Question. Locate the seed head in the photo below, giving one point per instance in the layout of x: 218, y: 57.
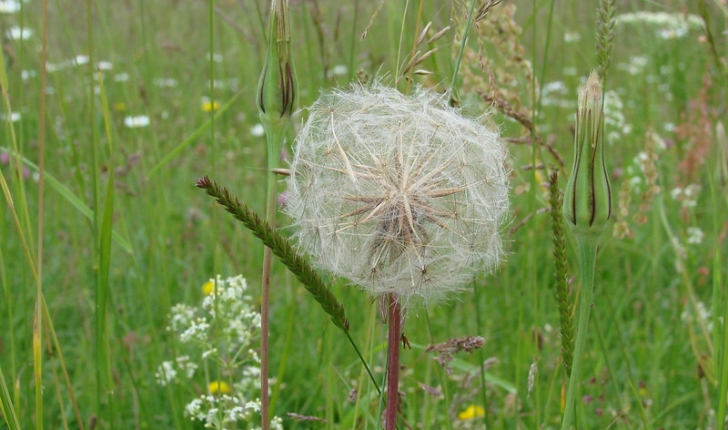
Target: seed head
x: 400, y: 194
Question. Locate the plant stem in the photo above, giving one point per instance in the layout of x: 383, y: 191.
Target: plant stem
x: 587, y: 260
x: 393, y: 338
x: 275, y: 140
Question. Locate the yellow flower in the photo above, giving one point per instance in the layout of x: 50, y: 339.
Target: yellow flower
x: 208, y: 287
x: 219, y: 387
x: 210, y: 106
x: 472, y: 412
x: 119, y: 106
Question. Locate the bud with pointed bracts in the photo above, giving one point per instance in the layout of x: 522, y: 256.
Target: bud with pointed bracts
x: 588, y: 197
x: 277, y: 84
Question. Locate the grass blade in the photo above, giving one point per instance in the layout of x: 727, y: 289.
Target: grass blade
x: 192, y: 137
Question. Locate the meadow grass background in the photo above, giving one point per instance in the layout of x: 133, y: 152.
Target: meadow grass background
x: 648, y: 365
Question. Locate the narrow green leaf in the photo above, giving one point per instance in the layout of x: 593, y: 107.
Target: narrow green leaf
x: 7, y: 409
x: 76, y: 202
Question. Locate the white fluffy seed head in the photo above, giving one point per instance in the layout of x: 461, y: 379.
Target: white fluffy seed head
x: 400, y: 194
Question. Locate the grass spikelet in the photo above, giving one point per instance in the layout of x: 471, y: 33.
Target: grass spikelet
x: 281, y: 248
x: 560, y: 273
x: 605, y: 36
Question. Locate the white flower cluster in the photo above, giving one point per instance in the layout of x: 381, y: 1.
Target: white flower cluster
x: 667, y: 25
x: 614, y: 121
x: 698, y: 314
x: 219, y: 335
x: 218, y: 411
x: 398, y: 193
x: 226, y: 308
x: 695, y: 235
x: 635, y: 66
x: 556, y: 93
x: 168, y: 370
x: 688, y: 196
x: 636, y: 171
x: 229, y: 298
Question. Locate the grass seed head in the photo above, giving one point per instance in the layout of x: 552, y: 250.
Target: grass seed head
x: 400, y: 194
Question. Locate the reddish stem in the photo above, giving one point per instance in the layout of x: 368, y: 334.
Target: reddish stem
x: 264, y: 329
x: 393, y: 338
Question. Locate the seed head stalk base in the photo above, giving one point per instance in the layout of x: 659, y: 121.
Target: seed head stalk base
x: 587, y: 261
x: 275, y: 139
x: 394, y: 316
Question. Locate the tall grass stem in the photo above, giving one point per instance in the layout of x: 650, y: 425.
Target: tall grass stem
x: 38, y: 320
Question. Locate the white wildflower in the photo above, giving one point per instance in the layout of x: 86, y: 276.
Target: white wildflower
x: 18, y: 33
x: 337, y: 70
x: 227, y: 307
x: 104, y: 65
x: 276, y: 423
x: 136, y: 121
x: 558, y: 87
x: 676, y: 192
x: 614, y: 120
x: 80, y: 60
x: 28, y: 74
x: 196, y: 331
x: 209, y: 353
x: 703, y: 312
x: 257, y: 130
x: 214, y: 56
x: 194, y: 409
x: 635, y: 66
x: 532, y: 372
x: 189, y: 367
x: 165, y: 82
x: 13, y: 117
x: 165, y: 373
x: 236, y: 413
x: 700, y: 315
x: 400, y: 194
x: 9, y: 6
x: 666, y: 25
x: 555, y: 94
x: 695, y: 235
x: 253, y: 406
x: 572, y: 36
x: 181, y: 317
x: 688, y: 196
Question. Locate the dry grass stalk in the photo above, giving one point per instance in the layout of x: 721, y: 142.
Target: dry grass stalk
x: 445, y: 351
x: 696, y: 135
x: 510, y: 75
x: 649, y: 170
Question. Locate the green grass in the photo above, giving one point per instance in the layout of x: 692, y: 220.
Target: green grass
x: 124, y: 226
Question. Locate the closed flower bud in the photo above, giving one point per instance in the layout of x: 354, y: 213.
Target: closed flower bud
x: 277, y: 84
x: 588, y: 198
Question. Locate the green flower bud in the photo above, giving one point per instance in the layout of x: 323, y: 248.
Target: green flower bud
x: 277, y: 84
x: 588, y: 197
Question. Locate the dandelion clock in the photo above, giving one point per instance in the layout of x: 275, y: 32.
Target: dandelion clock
x: 398, y: 193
